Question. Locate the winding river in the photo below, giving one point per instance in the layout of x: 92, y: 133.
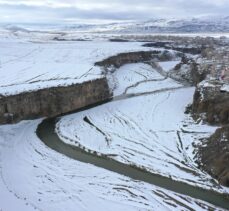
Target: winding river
x: 46, y: 132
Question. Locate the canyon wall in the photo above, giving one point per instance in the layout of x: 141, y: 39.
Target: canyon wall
x: 213, y: 103
x: 52, y: 101
x: 127, y: 58
x: 213, y: 156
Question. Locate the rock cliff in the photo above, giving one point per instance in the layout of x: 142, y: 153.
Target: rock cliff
x: 52, y: 101
x: 211, y: 102
x: 214, y: 156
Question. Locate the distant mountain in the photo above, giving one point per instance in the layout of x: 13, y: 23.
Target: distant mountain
x: 201, y: 25
x: 13, y: 28
x: 195, y: 25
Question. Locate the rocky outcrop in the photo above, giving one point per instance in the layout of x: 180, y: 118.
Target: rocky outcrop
x: 52, y: 101
x: 197, y: 73
x: 127, y: 58
x: 189, y: 71
x: 135, y: 57
x: 214, y: 156
x: 212, y: 102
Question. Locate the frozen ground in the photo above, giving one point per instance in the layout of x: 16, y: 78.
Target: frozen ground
x: 34, y: 177
x: 167, y: 66
x: 27, y: 66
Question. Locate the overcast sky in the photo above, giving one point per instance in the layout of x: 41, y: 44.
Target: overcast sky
x: 106, y: 10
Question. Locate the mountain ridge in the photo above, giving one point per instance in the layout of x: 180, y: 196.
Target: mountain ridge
x: 209, y: 24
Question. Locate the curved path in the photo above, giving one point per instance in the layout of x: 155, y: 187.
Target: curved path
x: 46, y: 132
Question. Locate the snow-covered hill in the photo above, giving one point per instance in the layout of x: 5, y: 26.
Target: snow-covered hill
x: 191, y: 25
x: 207, y: 24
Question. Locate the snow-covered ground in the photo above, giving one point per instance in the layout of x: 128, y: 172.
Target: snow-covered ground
x: 139, y: 78
x: 131, y: 74
x: 151, y: 132
x: 225, y: 88
x: 34, y: 177
x: 27, y: 66
x: 153, y: 86
x: 169, y: 65
x: 149, y: 129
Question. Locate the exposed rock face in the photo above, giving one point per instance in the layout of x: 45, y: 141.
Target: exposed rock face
x: 134, y: 57
x: 198, y: 74
x: 53, y: 101
x: 189, y: 71
x: 214, y: 157
x: 126, y: 58
x: 210, y: 100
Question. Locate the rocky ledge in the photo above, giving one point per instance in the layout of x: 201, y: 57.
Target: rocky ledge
x: 135, y: 57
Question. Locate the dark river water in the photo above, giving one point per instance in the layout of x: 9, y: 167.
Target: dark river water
x: 46, y: 132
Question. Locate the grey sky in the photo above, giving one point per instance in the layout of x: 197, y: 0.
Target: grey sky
x: 106, y: 10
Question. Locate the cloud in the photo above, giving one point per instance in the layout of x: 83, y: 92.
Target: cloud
x: 58, y: 10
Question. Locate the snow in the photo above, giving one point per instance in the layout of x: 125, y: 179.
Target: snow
x: 168, y: 65
x: 138, y: 78
x: 34, y: 177
x: 26, y: 66
x: 131, y: 75
x: 9, y: 201
x: 210, y: 26
x: 212, y: 83
x: 153, y: 86
x: 225, y: 88
x: 148, y: 129
x: 129, y: 128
